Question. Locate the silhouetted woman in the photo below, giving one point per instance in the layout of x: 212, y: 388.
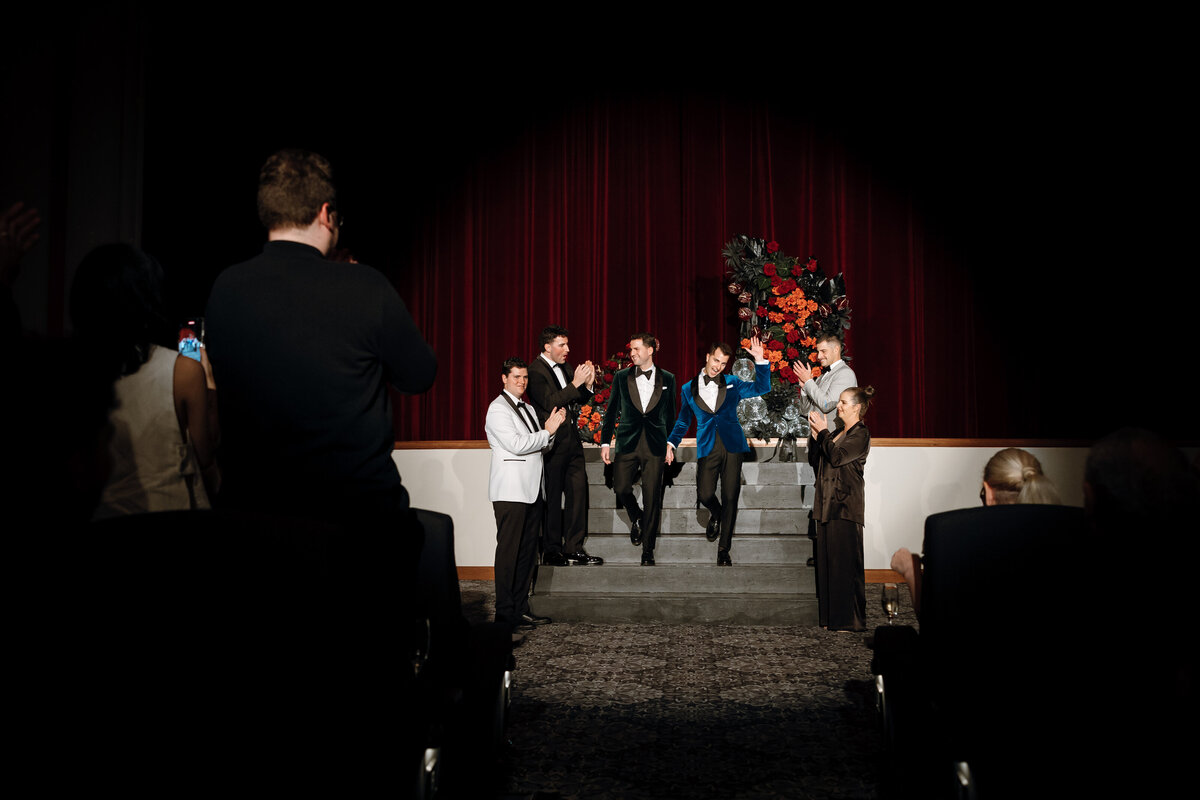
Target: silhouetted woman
x: 164, y: 424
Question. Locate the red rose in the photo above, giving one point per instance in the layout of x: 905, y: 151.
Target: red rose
x: 772, y: 246
x: 776, y: 280
x: 611, y: 365
x: 792, y: 353
x: 774, y: 344
x: 787, y: 287
x: 768, y: 269
x: 811, y: 264
x: 793, y: 336
x: 762, y: 311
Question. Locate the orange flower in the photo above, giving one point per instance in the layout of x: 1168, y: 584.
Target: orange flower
x: 596, y: 416
x: 788, y: 327
x: 816, y: 371
x: 812, y: 357
x: 775, y: 316
x: 585, y: 411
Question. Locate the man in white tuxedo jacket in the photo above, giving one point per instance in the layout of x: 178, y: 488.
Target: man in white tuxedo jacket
x: 517, y: 491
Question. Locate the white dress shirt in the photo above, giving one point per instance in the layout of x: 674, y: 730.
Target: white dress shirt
x: 645, y: 387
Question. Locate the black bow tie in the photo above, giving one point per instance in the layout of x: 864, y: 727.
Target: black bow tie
x: 708, y: 380
x: 646, y: 373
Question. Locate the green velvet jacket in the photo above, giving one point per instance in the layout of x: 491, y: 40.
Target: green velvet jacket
x: 624, y: 412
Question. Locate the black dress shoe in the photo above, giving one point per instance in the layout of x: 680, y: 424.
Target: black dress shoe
x: 583, y: 559
x: 554, y: 559
x: 635, y: 533
x: 723, y: 559
x: 713, y: 532
x: 534, y: 619
x: 647, y: 560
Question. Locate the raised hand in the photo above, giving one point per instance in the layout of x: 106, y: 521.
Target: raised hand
x: 756, y: 348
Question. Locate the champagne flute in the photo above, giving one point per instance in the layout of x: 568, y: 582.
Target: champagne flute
x: 890, y: 599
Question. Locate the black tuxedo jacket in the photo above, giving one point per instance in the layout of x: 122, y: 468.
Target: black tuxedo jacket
x: 545, y: 395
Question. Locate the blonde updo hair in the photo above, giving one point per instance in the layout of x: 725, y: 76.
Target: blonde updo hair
x: 1015, y: 476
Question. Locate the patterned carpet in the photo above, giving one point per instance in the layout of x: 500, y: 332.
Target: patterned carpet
x: 683, y: 711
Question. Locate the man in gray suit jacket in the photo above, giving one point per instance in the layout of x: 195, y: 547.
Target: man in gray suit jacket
x: 516, y: 490
x: 822, y: 393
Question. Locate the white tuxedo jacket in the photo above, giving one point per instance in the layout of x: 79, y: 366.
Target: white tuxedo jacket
x: 516, y: 454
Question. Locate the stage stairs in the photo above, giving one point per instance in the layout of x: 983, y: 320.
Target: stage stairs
x: 768, y: 584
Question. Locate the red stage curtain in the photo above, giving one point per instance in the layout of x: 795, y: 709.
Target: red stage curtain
x: 610, y: 218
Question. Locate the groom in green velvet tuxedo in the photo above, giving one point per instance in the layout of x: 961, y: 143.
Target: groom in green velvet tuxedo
x: 641, y: 411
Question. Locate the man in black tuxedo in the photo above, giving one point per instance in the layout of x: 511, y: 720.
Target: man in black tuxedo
x: 641, y: 411
x: 553, y: 383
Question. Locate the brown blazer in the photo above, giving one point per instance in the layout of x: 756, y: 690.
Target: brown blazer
x: 839, y: 467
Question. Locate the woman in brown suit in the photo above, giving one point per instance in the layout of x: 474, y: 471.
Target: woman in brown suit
x: 839, y: 461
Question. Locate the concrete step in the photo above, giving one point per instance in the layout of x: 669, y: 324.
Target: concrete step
x: 750, y: 521
x: 677, y: 608
x: 753, y: 474
x: 684, y: 549
x: 682, y: 496
x: 694, y: 579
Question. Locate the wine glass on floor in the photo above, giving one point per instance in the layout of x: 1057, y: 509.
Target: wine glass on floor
x: 890, y: 599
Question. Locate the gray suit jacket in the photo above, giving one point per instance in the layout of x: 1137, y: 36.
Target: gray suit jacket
x: 822, y: 393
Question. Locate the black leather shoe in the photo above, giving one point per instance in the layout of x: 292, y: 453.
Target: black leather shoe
x: 723, y: 559
x: 534, y: 619
x: 713, y: 532
x: 554, y: 559
x: 647, y: 560
x: 635, y: 533
x: 583, y: 559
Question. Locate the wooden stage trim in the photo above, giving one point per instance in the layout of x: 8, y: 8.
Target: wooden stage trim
x: 481, y: 444
x: 489, y: 574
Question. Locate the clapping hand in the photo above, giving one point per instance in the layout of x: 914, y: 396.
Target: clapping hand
x: 585, y: 374
x: 817, y: 422
x: 556, y: 418
x: 802, y: 372
x: 18, y: 233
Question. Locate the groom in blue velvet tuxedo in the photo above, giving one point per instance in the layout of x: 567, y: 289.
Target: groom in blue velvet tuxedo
x: 711, y: 399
